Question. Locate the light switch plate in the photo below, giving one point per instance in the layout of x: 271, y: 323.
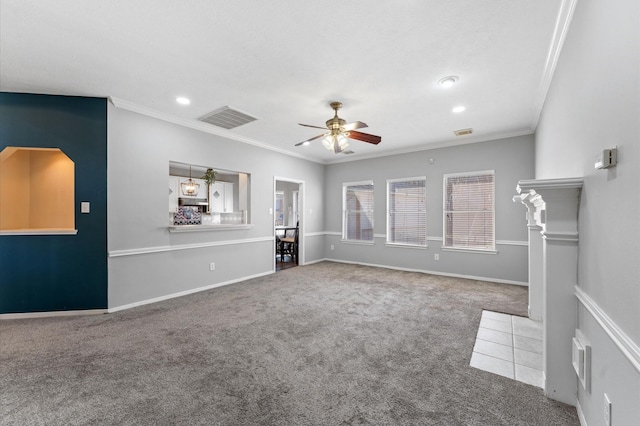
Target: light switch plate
x: 85, y: 207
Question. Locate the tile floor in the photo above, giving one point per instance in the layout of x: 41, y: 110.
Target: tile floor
x: 510, y: 346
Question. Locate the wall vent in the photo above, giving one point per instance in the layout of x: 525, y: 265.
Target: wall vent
x: 463, y: 132
x: 227, y: 118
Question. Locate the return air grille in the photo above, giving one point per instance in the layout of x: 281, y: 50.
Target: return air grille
x: 463, y: 132
x: 227, y: 118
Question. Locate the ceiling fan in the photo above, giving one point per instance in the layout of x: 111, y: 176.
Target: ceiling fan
x: 336, y: 139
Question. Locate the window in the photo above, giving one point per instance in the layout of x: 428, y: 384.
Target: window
x: 357, y: 205
x: 469, y: 211
x: 280, y: 208
x: 407, y: 211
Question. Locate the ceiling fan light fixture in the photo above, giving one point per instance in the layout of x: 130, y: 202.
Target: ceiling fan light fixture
x: 337, y: 139
x: 342, y: 141
x: 327, y: 142
x: 335, y: 143
x: 448, y: 81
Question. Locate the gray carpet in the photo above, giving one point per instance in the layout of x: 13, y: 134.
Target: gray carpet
x: 325, y: 344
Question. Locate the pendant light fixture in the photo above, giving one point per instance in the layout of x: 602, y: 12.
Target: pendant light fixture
x: 190, y: 187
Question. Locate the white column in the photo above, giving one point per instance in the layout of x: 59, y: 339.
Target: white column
x: 556, y: 203
x: 535, y: 259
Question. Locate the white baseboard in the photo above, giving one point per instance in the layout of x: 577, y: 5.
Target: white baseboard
x: 424, y: 271
x: 27, y: 315
x: 186, y: 292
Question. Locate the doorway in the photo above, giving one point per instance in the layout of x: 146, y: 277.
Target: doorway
x: 288, y: 219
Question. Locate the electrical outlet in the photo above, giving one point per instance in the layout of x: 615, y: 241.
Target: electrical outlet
x: 332, y: 247
x: 212, y: 266
x: 436, y: 256
x: 607, y: 410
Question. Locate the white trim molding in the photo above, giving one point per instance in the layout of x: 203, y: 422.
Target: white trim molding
x: 560, y: 33
x: 205, y: 228
x: 571, y: 237
x: 39, y: 232
x: 512, y: 243
x: 429, y: 238
x: 553, y: 204
x: 161, y: 249
x: 187, y: 292
x: 425, y: 271
x: 315, y: 234
x: 30, y: 315
x: 626, y: 345
x: 203, y: 127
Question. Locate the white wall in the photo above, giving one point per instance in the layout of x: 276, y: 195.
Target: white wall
x: 593, y: 104
x: 511, y: 158
x: 146, y: 262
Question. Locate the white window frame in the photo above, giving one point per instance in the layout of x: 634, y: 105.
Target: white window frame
x: 489, y: 248
x: 422, y: 209
x: 345, y: 212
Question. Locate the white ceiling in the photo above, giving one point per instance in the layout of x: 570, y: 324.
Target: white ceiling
x: 283, y: 61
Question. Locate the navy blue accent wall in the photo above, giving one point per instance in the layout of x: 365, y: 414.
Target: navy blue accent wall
x: 59, y: 272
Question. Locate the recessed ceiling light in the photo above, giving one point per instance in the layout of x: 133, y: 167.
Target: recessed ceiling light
x: 446, y: 82
x: 183, y: 101
x: 458, y: 109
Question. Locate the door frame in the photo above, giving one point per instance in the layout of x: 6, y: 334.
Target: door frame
x: 301, y: 217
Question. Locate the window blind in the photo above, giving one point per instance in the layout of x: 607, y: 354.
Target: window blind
x: 407, y: 211
x: 358, y: 212
x: 469, y: 219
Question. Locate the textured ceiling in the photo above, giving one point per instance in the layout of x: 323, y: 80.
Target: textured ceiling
x: 283, y: 61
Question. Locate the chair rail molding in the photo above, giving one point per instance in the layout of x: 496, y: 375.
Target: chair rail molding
x: 552, y: 218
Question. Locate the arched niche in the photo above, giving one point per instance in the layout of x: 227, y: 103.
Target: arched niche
x: 36, y: 191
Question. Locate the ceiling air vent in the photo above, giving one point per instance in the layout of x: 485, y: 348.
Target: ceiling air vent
x: 463, y: 132
x: 227, y: 118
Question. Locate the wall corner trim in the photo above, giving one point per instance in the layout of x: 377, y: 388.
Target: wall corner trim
x: 630, y: 350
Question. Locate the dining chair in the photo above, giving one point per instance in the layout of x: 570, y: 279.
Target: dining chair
x: 289, y: 246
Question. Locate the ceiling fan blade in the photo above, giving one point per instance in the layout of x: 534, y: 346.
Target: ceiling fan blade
x: 355, y: 125
x: 309, y: 140
x: 364, y: 137
x: 315, y: 127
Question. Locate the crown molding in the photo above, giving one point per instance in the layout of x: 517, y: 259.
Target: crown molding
x: 196, y: 125
x: 207, y: 128
x: 443, y: 143
x: 565, y: 15
x: 541, y: 184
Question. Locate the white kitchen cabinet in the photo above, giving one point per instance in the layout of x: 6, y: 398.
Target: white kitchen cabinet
x: 174, y: 183
x: 202, y: 189
x: 221, y: 197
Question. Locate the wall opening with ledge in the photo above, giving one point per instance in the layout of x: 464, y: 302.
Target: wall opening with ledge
x: 36, y: 190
